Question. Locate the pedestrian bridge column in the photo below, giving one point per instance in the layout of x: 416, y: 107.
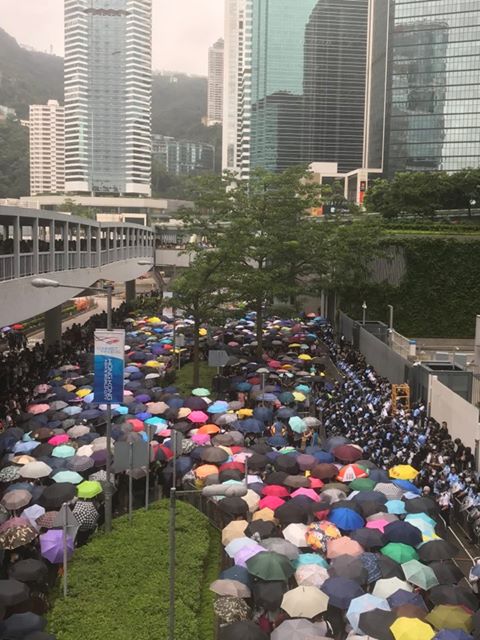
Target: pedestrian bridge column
x: 130, y: 291
x: 53, y: 326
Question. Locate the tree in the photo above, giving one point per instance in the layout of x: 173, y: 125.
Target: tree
x: 14, y: 160
x: 76, y: 209
x: 200, y: 291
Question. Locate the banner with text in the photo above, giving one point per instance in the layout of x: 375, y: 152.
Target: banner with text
x: 108, y: 365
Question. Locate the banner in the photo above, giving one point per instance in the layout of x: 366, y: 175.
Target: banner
x: 108, y: 365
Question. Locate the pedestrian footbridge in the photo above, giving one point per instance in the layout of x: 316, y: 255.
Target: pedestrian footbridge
x: 72, y: 250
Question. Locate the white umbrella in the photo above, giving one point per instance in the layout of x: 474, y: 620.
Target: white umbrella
x: 304, y: 602
x: 295, y: 533
x: 35, y: 470
x: 387, y: 586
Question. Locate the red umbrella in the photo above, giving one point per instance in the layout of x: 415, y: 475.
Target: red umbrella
x: 275, y: 490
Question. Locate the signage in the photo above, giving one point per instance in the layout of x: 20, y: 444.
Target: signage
x: 108, y: 365
x: 217, y: 358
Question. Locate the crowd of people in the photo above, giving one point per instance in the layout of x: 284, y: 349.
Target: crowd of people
x: 286, y: 416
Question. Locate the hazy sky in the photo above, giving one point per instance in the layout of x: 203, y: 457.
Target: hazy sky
x: 182, y: 29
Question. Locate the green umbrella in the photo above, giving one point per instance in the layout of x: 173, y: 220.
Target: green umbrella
x: 362, y: 484
x: 68, y: 476
x: 201, y: 392
x: 63, y: 451
x: 269, y: 565
x: 89, y: 489
x: 399, y: 552
x: 419, y: 574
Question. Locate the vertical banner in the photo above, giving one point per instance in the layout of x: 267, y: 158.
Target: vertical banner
x: 108, y: 365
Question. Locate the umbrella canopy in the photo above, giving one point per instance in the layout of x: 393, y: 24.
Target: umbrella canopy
x: 388, y: 586
x: 21, y: 625
x: 12, y: 592
x: 231, y: 608
x: 411, y: 629
x: 228, y: 587
x: 399, y: 552
x: 17, y: 535
x: 419, y: 574
x: 35, y: 470
x: 89, y: 489
x: 304, y: 602
x: 364, y: 603
x: 16, y: 499
x: 348, y: 567
x: 51, y: 545
x: 29, y: 570
x: 56, y: 494
x: 242, y: 630
x: 234, y: 530
x: 269, y: 565
x: 341, y: 591
x: 446, y: 616
x: 299, y: 629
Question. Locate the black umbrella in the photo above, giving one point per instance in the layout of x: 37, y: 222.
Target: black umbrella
x: 262, y: 528
x: 29, y: 570
x: 56, y: 494
x: 341, y: 591
x: 421, y: 505
x: 454, y: 595
x: 286, y: 463
x: 19, y: 625
x: 276, y: 477
x: 233, y: 506
x: 257, y: 462
x: 368, y: 538
x: 369, y: 507
x: 389, y: 568
x: 214, y: 455
x: 196, y: 404
x: 43, y: 450
x: 436, y: 550
x: 403, y: 532
x: 447, y: 572
x: 13, y: 592
x: 295, y: 482
x: 243, y: 630
x: 269, y: 594
x: 291, y: 512
x: 230, y: 474
x: 377, y: 623
x: 261, y: 447
x: 348, y: 567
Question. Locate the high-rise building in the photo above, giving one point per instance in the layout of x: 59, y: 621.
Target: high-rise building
x: 295, y: 83
x: 47, y: 148
x: 108, y: 96
x: 215, y: 83
x: 183, y: 157
x: 433, y: 94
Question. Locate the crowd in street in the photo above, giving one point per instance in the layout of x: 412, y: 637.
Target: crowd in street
x: 339, y: 530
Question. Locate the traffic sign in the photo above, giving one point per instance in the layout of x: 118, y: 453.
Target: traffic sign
x: 65, y: 518
x: 128, y: 455
x: 217, y: 358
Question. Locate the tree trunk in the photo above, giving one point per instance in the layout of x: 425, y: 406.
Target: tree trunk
x: 259, y: 310
x: 196, y: 353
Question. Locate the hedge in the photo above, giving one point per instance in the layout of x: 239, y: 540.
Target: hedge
x: 439, y: 295
x: 119, y: 583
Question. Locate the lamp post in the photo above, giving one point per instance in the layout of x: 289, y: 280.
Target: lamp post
x: 364, y: 312
x: 42, y: 283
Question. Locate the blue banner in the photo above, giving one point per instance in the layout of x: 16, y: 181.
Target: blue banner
x: 109, y: 365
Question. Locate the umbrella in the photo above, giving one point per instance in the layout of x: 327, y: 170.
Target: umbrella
x: 450, y: 617
x: 296, y: 534
x: 236, y: 573
x: 446, y: 594
x: 89, y: 489
x: 234, y: 530
x: 447, y: 572
x: 63, y: 451
x: 56, y: 494
x: 419, y: 574
x: 411, y: 629
x: 343, y: 546
x: 231, y: 609
x: 362, y: 604
x: 399, y: 552
x: 68, y: 476
x: 29, y: 570
x: 385, y: 587
x: 243, y: 630
x: 197, y: 417
x: 269, y: 565
x: 436, y: 550
x: 403, y: 472
x: 20, y: 625
x: 341, y: 591
x: 402, y: 532
x: 304, y: 602
x: 348, y: 567
x: 228, y: 587
x: 283, y: 547
x: 35, y: 470
x: 260, y: 528
x: 233, y: 506
x: 13, y: 500
x: 51, y: 545
x: 10, y: 473
x: 18, y: 535
x: 238, y: 544
x: 368, y: 538
x: 80, y: 463
x: 12, y: 592
x: 346, y: 519
x: 299, y: 629
x: 452, y: 634
x: 86, y: 515
x: 348, y: 453
x: 213, y: 455
x: 269, y: 594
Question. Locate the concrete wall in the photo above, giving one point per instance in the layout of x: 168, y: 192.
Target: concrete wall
x: 172, y: 257
x: 461, y: 416
x: 386, y: 362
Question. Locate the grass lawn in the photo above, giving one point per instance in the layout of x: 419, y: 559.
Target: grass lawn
x: 184, y: 377
x: 119, y: 583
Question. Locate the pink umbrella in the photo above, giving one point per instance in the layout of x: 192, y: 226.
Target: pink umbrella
x: 42, y: 388
x: 36, y: 409
x: 343, y: 547
x: 246, y: 553
x: 198, y: 417
x: 270, y: 502
x: 200, y: 438
x: 56, y: 440
x: 309, y: 493
x: 315, y: 483
x: 16, y: 522
x: 164, y: 433
x: 379, y: 524
x: 242, y: 456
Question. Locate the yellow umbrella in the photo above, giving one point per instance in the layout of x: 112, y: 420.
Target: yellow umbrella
x: 411, y: 629
x: 264, y: 514
x: 202, y: 332
x: 403, y: 472
x: 449, y: 616
x: 252, y: 499
x: 299, y: 397
x: 295, y: 344
x: 153, y: 364
x: 304, y: 356
x: 81, y: 393
x: 154, y: 320
x: 234, y: 530
x: 69, y: 387
x: 245, y: 413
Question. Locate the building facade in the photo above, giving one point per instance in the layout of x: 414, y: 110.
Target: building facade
x: 108, y: 96
x: 215, y: 83
x: 47, y: 148
x: 433, y: 94
x: 183, y: 157
x: 295, y: 83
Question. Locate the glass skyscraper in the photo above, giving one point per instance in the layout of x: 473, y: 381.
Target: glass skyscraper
x: 308, y: 73
x: 108, y: 94
x: 433, y: 97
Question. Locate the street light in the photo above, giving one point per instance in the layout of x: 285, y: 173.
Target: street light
x: 390, y: 321
x: 42, y: 283
x: 364, y: 312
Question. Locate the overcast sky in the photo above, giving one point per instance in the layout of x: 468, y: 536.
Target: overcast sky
x: 182, y: 29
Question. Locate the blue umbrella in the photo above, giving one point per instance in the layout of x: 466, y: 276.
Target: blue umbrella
x: 68, y: 476
x: 25, y: 447
x: 452, y: 634
x: 174, y: 403
x: 396, y: 507
x: 310, y: 558
x: 267, y: 397
x: 402, y: 596
x: 341, y: 591
x: 218, y: 407
x: 276, y: 441
x: 264, y: 414
x: 359, y: 605
x: 408, y: 486
x: 236, y: 573
x: 285, y: 413
x: 372, y: 565
x: 379, y: 475
x: 403, y: 532
x: 249, y: 425
x: 243, y: 386
x: 346, y: 519
x: 297, y: 424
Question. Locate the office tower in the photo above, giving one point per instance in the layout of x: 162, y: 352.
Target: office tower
x: 236, y: 97
x: 47, y: 148
x: 183, y: 157
x: 108, y: 95
x: 433, y: 97
x: 215, y: 83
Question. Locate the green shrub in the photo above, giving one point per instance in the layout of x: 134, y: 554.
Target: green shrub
x: 119, y: 583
